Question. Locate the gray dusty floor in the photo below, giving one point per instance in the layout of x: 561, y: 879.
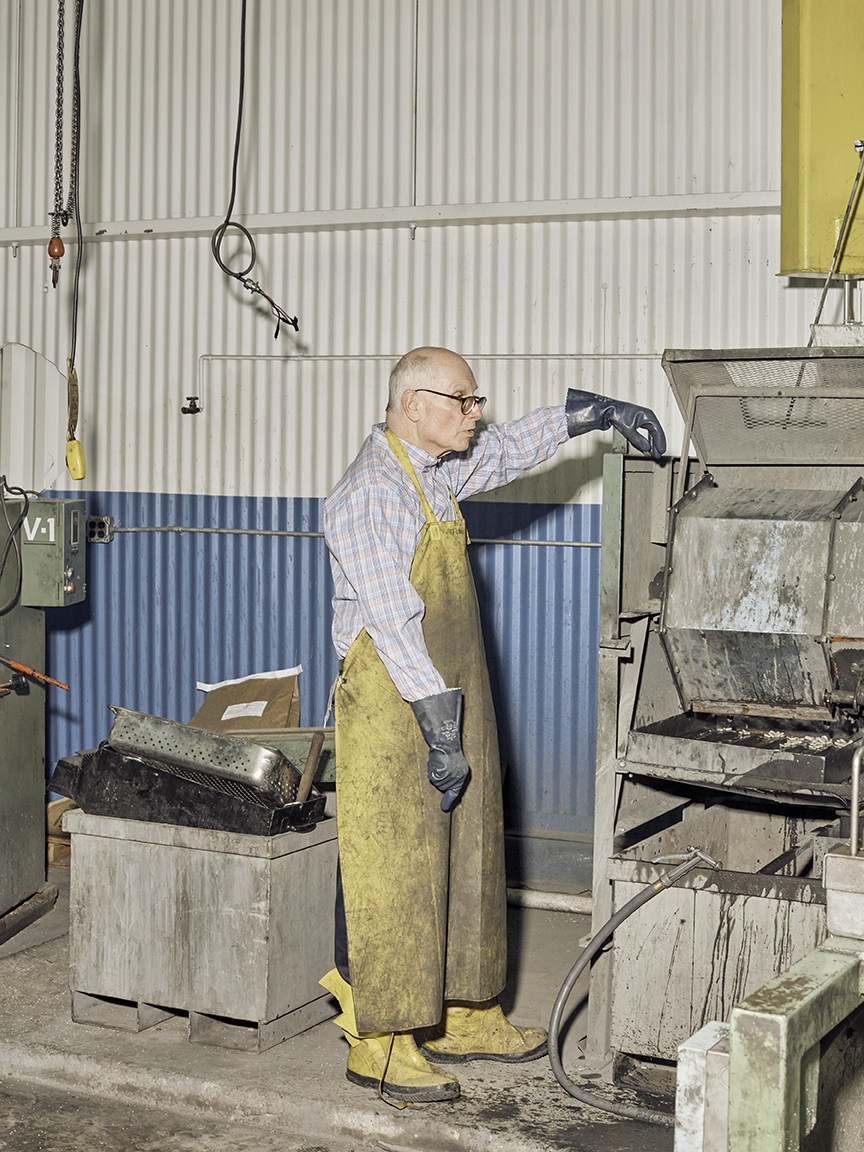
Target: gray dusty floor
x: 84, y: 1089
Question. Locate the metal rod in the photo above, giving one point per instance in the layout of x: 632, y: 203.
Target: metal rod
x: 853, y: 804
x: 859, y: 148
x: 180, y: 529
x: 549, y: 543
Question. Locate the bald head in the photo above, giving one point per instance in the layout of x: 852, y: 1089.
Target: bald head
x: 423, y: 408
x: 425, y: 368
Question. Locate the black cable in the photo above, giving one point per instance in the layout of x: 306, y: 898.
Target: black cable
x: 11, y: 540
x: 219, y: 234
x: 629, y: 1111
x: 216, y: 239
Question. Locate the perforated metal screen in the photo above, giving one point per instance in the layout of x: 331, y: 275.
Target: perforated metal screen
x: 779, y: 429
x: 793, y: 406
x: 195, y: 754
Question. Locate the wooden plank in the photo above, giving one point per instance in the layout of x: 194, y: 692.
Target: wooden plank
x: 200, y: 839
x: 121, y: 1015
x: 251, y: 1036
x: 28, y: 912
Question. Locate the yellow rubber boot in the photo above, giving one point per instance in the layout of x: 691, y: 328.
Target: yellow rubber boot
x: 481, y: 1031
x: 389, y: 1060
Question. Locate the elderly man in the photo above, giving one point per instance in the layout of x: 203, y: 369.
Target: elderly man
x: 421, y: 901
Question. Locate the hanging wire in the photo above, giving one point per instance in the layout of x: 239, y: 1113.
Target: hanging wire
x: 12, y: 540
x: 218, y: 236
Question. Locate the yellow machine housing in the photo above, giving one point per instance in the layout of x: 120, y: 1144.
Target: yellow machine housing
x: 823, y: 116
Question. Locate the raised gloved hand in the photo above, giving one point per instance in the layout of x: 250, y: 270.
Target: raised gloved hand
x: 589, y: 413
x: 439, y: 719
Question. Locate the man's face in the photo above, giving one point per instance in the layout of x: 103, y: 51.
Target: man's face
x: 442, y: 427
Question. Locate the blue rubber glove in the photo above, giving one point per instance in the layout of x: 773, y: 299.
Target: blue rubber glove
x: 589, y: 413
x: 439, y: 719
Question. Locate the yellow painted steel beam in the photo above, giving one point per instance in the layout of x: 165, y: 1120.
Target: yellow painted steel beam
x: 823, y: 116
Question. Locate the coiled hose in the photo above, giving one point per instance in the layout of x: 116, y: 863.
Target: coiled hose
x: 694, y: 859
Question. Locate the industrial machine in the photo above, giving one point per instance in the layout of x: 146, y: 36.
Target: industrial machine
x: 731, y: 687
x: 42, y: 544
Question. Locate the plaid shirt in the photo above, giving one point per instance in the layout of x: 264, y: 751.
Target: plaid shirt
x: 372, y: 524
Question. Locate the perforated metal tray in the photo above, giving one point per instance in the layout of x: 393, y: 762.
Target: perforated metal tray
x: 187, y: 750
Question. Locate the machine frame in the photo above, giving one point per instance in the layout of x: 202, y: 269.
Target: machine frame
x: 692, y: 955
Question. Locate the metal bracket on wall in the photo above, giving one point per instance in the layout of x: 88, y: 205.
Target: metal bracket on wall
x: 100, y: 529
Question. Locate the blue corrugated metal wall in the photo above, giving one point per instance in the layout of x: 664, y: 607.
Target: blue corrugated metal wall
x: 165, y: 610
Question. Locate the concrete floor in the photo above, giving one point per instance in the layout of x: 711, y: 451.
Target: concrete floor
x: 84, y: 1089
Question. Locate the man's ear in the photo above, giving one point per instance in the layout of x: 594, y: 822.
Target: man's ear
x: 410, y: 402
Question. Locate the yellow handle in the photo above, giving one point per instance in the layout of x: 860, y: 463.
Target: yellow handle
x: 75, y: 461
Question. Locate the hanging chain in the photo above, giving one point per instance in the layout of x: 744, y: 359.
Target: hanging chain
x: 60, y: 215
x: 57, y: 214
x: 73, y: 148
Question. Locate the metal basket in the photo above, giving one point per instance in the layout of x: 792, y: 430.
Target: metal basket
x: 195, y: 753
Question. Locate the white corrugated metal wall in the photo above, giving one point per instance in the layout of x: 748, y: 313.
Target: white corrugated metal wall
x: 558, y: 190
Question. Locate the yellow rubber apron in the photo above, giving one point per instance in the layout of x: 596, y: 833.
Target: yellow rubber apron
x: 425, y: 898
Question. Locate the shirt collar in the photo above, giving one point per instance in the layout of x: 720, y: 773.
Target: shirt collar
x: 419, y: 457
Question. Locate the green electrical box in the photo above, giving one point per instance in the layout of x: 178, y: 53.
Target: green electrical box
x: 52, y: 540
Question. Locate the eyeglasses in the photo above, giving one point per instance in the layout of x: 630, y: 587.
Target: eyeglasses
x: 466, y: 403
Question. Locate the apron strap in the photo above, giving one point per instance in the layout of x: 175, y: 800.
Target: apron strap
x: 402, y: 456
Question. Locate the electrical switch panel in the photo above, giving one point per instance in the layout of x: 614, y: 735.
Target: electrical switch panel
x: 52, y: 541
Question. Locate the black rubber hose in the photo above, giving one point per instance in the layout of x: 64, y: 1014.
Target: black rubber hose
x: 629, y: 1111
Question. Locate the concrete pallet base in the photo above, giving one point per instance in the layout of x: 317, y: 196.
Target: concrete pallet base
x: 219, y: 1031
x: 233, y: 931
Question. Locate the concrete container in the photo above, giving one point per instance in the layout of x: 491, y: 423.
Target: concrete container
x: 234, y: 930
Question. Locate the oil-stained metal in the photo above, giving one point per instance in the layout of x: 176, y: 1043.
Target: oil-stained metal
x: 731, y: 700
x: 752, y: 592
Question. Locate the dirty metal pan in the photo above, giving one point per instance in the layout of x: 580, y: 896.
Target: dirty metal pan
x: 770, y: 750
x: 105, y: 782
x: 193, y: 753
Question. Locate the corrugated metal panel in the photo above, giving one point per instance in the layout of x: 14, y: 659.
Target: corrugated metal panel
x: 28, y: 116
x: 327, y: 120
x: 599, y: 300
x: 515, y: 102
x: 9, y: 142
x: 165, y: 610
x: 558, y: 100
x: 540, y: 618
